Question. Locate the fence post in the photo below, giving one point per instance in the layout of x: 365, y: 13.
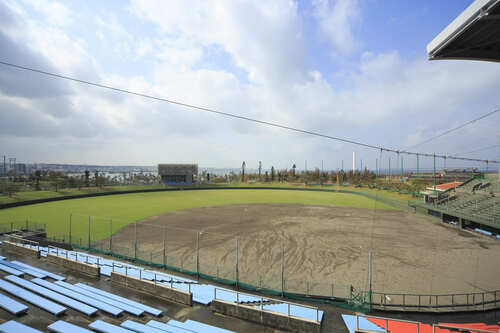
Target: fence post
x: 135, y: 240
x: 198, y: 254
x: 164, y: 242
x: 70, y: 221
x: 237, y: 273
x: 283, y: 272
x: 110, y: 235
x: 89, y: 232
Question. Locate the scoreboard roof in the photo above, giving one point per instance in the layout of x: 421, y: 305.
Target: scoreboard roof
x: 473, y: 35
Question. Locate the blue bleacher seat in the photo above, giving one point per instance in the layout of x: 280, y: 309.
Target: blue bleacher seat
x: 48, y: 274
x: 185, y: 327
x: 11, y: 305
x: 22, y: 269
x: 11, y: 270
x: 30, y: 297
x: 148, y: 309
x: 15, y: 327
x: 61, y: 326
x: 79, y: 297
x: 104, y: 327
x: 164, y: 327
x: 125, y: 307
x: 138, y: 327
x: 74, y: 304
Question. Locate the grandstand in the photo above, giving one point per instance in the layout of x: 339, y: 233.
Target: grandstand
x: 474, y: 204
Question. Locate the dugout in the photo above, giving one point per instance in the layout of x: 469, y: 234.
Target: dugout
x: 178, y: 173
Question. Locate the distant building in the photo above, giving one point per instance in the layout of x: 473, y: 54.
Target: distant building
x: 20, y: 168
x: 178, y: 173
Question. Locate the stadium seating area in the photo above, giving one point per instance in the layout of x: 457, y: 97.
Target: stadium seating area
x: 28, y: 286
x: 477, y: 200
x: 50, y: 292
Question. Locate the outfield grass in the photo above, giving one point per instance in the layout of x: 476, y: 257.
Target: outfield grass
x: 128, y: 208
x: 34, y: 195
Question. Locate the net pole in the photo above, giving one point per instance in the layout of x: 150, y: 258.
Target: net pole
x: 89, y: 233
x: 135, y: 240
x: 402, y: 172
x: 198, y: 254
x: 434, y: 173
x: 70, y: 218
x: 110, y: 235
x: 390, y: 175
x: 237, y: 272
x: 370, y: 274
x: 164, y: 243
x: 282, y: 271
x: 418, y: 169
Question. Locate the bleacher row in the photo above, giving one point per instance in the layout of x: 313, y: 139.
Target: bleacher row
x: 477, y: 198
x: 128, y: 326
x: 57, y: 296
x: 202, y: 293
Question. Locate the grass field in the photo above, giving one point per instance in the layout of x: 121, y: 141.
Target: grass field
x: 34, y: 195
x: 128, y: 208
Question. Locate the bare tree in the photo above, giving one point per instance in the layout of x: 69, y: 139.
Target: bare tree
x: 260, y: 169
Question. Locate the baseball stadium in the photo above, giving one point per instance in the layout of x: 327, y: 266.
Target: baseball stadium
x: 271, y: 256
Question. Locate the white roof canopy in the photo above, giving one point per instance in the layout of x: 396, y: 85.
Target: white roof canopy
x: 473, y: 35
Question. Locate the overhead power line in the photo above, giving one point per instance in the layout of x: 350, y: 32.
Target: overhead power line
x: 232, y: 115
x: 455, y: 128
x: 477, y: 150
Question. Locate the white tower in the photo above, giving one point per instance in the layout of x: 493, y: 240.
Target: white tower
x: 353, y: 161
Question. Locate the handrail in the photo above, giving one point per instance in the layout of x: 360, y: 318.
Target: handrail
x: 261, y: 308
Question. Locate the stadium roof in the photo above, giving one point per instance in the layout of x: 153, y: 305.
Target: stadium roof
x: 473, y: 35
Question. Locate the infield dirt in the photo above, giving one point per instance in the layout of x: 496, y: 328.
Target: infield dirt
x: 323, y: 246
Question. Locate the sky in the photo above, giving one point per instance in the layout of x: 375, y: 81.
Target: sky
x: 355, y: 69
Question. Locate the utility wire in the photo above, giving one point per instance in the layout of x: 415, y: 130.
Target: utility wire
x: 232, y: 115
x: 476, y: 150
x: 455, y: 128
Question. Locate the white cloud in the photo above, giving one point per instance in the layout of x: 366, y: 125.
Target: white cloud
x: 337, y: 21
x: 56, y: 13
x: 388, y: 99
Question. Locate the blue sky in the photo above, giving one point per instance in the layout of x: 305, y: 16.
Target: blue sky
x: 347, y: 68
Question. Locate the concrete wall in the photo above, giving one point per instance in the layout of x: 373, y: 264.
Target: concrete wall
x: 19, y: 249
x: 87, y: 269
x: 267, y: 318
x: 154, y: 289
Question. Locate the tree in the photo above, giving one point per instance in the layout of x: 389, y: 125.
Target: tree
x: 243, y: 165
x: 260, y: 169
x: 96, y: 176
x: 293, y: 170
x: 272, y: 174
x: 38, y: 176
x: 87, y: 176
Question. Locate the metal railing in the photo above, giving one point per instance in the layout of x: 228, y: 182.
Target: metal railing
x: 21, y: 226
x: 23, y: 242
x: 463, y: 301
x: 268, y: 300
x: 155, y: 276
